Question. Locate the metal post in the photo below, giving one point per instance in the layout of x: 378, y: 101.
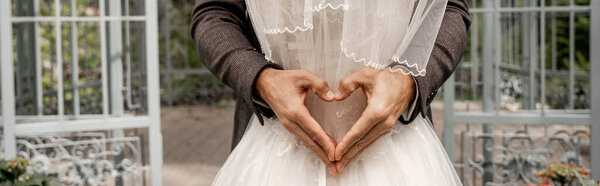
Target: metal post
x: 8, y: 96
x: 543, y: 58
x: 59, y: 60
x: 38, y: 63
x: 571, y: 95
x: 114, y: 57
x: 498, y: 41
x: 553, y: 37
x: 474, y: 56
x: 153, y: 92
x: 488, y: 82
x: 103, y: 59
x: 595, y: 89
x: 115, y: 63
x: 448, y: 134
x: 525, y: 57
x: 533, y: 58
x: 75, y: 60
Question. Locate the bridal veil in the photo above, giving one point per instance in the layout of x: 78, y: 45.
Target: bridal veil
x: 394, y: 34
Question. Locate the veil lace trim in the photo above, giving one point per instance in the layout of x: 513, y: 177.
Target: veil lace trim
x: 280, y: 30
x: 410, y: 56
x: 398, y: 67
x: 320, y: 6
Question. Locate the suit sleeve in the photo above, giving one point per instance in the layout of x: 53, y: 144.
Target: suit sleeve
x: 221, y: 32
x: 449, y: 47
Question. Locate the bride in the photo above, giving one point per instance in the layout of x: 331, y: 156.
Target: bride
x: 342, y: 73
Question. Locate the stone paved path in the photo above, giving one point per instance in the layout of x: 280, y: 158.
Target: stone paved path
x: 196, y: 141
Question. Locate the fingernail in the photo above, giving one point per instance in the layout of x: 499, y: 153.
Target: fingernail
x: 330, y: 95
x: 330, y: 157
x: 337, y: 158
x: 338, y: 95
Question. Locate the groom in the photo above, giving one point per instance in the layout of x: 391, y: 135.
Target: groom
x: 226, y: 43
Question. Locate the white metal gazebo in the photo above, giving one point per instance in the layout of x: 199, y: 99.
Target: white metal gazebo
x: 80, y: 89
x: 526, y: 105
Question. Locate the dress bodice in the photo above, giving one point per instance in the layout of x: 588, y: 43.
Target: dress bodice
x: 318, y: 51
x: 335, y: 38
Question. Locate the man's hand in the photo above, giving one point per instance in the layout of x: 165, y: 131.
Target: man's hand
x: 284, y: 91
x: 388, y: 95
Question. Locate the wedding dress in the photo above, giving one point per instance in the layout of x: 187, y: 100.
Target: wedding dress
x: 333, y: 39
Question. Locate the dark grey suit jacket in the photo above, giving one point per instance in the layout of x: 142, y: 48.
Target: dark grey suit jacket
x: 227, y: 45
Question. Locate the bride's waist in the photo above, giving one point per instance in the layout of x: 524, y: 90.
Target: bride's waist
x: 336, y: 117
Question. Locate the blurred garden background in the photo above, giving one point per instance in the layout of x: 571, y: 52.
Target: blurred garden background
x: 89, y: 98
x: 520, y: 94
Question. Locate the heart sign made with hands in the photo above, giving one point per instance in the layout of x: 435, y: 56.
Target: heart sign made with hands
x: 387, y: 94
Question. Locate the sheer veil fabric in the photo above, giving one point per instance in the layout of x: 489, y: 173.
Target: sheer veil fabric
x: 333, y: 39
x: 378, y: 33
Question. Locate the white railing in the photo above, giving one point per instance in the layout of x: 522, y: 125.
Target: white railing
x: 127, y: 96
x: 503, y: 88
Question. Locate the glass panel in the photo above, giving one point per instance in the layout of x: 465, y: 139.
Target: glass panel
x: 25, y: 68
x: 27, y: 8
x: 49, y: 68
x: 47, y: 7
x: 582, y: 42
x: 134, y: 62
x: 559, y: 89
x: 68, y: 68
x: 513, y: 66
x: 557, y: 2
x: 1, y: 27
x: 127, y: 67
x: 25, y: 42
x: 127, y: 7
x: 23, y: 8
x: 65, y: 7
x: 88, y: 8
x: 90, y: 68
x: 582, y: 2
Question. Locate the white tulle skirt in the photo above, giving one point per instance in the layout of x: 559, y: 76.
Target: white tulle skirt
x: 270, y: 155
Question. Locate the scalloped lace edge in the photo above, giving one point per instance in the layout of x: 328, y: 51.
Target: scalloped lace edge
x: 320, y: 6
x: 306, y: 27
x: 395, y: 68
x: 369, y: 63
x: 421, y: 72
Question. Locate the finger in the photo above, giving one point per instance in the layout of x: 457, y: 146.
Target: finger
x: 320, y: 87
x: 295, y: 129
x: 348, y: 85
x: 312, y: 128
x: 357, y: 149
x: 333, y: 140
x: 358, y: 131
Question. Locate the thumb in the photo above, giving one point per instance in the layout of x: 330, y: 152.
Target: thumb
x: 320, y: 87
x: 347, y: 85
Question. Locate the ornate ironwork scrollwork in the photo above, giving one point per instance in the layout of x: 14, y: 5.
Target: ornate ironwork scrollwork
x: 85, y: 159
x: 518, y: 157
